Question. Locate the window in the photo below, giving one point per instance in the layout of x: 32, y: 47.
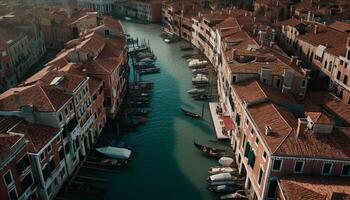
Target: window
x: 256, y: 140
x: 338, y: 75
x: 327, y: 167
x: 261, y: 172
x: 264, y: 155
x: 346, y: 170
x: 49, y: 148
x: 234, y: 79
x: 8, y: 178
x: 66, y: 111
x: 23, y: 164
x: 42, y: 156
x: 303, y: 84
x: 46, y: 172
x: 61, y: 153
x: 26, y: 182
x: 277, y: 165
x: 252, y: 131
x: 60, y: 117
x: 13, y: 194
x: 278, y: 83
x: 243, y: 142
x: 70, y: 106
x: 67, y: 148
x: 251, y: 159
x: 58, y: 139
x: 298, y: 167
x: 345, y: 79
x: 52, y: 165
x: 247, y: 150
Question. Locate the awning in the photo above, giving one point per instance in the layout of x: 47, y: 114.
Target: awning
x: 319, y: 51
x: 229, y: 124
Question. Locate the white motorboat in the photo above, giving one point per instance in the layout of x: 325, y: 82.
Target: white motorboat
x: 220, y: 177
x: 214, y: 183
x: 226, y: 161
x: 196, y: 91
x: 197, y: 63
x: 115, y: 152
x: 200, y: 78
x: 200, y: 71
x: 167, y: 40
x: 218, y: 170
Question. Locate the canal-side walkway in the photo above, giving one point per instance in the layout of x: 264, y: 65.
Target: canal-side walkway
x: 217, y: 121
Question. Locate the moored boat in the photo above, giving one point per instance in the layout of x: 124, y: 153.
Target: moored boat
x: 209, y: 151
x: 197, y: 63
x: 115, y: 152
x: 187, y: 47
x: 196, y: 91
x: 200, y: 78
x: 226, y: 161
x: 222, y: 183
x: 151, y: 70
x: 218, y: 170
x: 191, y: 114
x: 223, y: 188
x: 200, y: 71
x: 220, y: 177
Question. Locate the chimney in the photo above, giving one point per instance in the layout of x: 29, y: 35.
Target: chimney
x: 293, y: 60
x: 316, y: 29
x: 268, y: 130
x: 302, y: 126
x: 17, y: 99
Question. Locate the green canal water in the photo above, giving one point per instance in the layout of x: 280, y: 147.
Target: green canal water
x: 166, y: 165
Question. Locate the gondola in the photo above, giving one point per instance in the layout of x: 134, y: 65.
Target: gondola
x: 191, y: 114
x: 210, y: 151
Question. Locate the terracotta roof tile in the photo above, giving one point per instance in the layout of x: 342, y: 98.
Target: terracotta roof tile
x: 42, y: 98
x: 6, y: 142
x: 315, y: 187
x: 319, y: 118
x: 37, y: 135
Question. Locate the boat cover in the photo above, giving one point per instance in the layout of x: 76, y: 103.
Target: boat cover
x: 115, y: 152
x: 226, y: 161
x: 221, y: 177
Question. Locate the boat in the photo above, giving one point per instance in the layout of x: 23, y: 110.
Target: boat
x: 115, y: 152
x: 143, y: 65
x: 127, y: 18
x: 196, y: 91
x: 200, y: 71
x: 151, y: 70
x: 200, y: 78
x: 202, y: 97
x: 191, y: 114
x: 236, y: 195
x: 147, y: 60
x: 220, y: 177
x: 197, y: 63
x: 167, y: 40
x: 114, y: 162
x: 218, y: 170
x: 222, y: 183
x: 223, y: 188
x: 209, y: 151
x: 226, y: 161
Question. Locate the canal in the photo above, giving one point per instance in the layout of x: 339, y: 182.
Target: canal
x: 166, y: 165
